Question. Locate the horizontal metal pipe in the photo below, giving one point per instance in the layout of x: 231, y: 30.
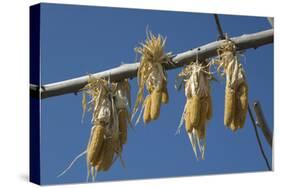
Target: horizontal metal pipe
x: 243, y: 42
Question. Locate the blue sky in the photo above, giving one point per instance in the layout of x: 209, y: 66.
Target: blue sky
x: 77, y: 40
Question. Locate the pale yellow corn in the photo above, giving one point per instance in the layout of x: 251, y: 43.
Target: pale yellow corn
x: 165, y: 95
x: 194, y: 110
x: 229, y: 108
x: 107, y: 155
x: 188, y: 126
x: 203, y: 118
x: 95, y: 145
x: 147, y: 107
x: 156, y: 98
x: 243, y: 100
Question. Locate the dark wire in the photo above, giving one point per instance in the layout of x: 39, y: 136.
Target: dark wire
x: 258, y: 138
x: 221, y: 34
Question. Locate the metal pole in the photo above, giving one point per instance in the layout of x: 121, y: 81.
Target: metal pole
x: 243, y: 42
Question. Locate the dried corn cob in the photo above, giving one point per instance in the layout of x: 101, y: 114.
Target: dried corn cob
x: 229, y: 108
x: 198, y: 107
x: 236, y: 89
x: 147, y: 107
x: 202, y: 118
x: 123, y: 118
x: 156, y: 98
x: 194, y: 110
x: 243, y: 103
x: 188, y: 126
x: 107, y: 155
x: 95, y: 144
x: 152, y: 75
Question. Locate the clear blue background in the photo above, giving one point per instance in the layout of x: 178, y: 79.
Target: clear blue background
x: 77, y: 40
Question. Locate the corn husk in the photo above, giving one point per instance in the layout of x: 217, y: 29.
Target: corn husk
x: 123, y: 121
x: 123, y: 103
x: 202, y: 118
x: 198, y: 107
x: 236, y: 88
x: 152, y: 76
x: 209, y: 107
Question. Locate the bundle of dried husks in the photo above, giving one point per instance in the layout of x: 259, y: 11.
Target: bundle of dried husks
x: 198, y: 107
x: 236, y: 89
x: 123, y: 103
x: 110, y: 106
x: 152, y: 74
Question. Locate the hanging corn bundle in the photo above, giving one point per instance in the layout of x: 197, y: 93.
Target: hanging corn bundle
x: 152, y: 75
x: 236, y: 88
x: 198, y: 107
x: 109, y: 104
x: 100, y: 149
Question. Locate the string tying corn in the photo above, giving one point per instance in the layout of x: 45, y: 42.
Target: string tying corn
x: 152, y: 75
x: 236, y: 88
x: 198, y: 108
